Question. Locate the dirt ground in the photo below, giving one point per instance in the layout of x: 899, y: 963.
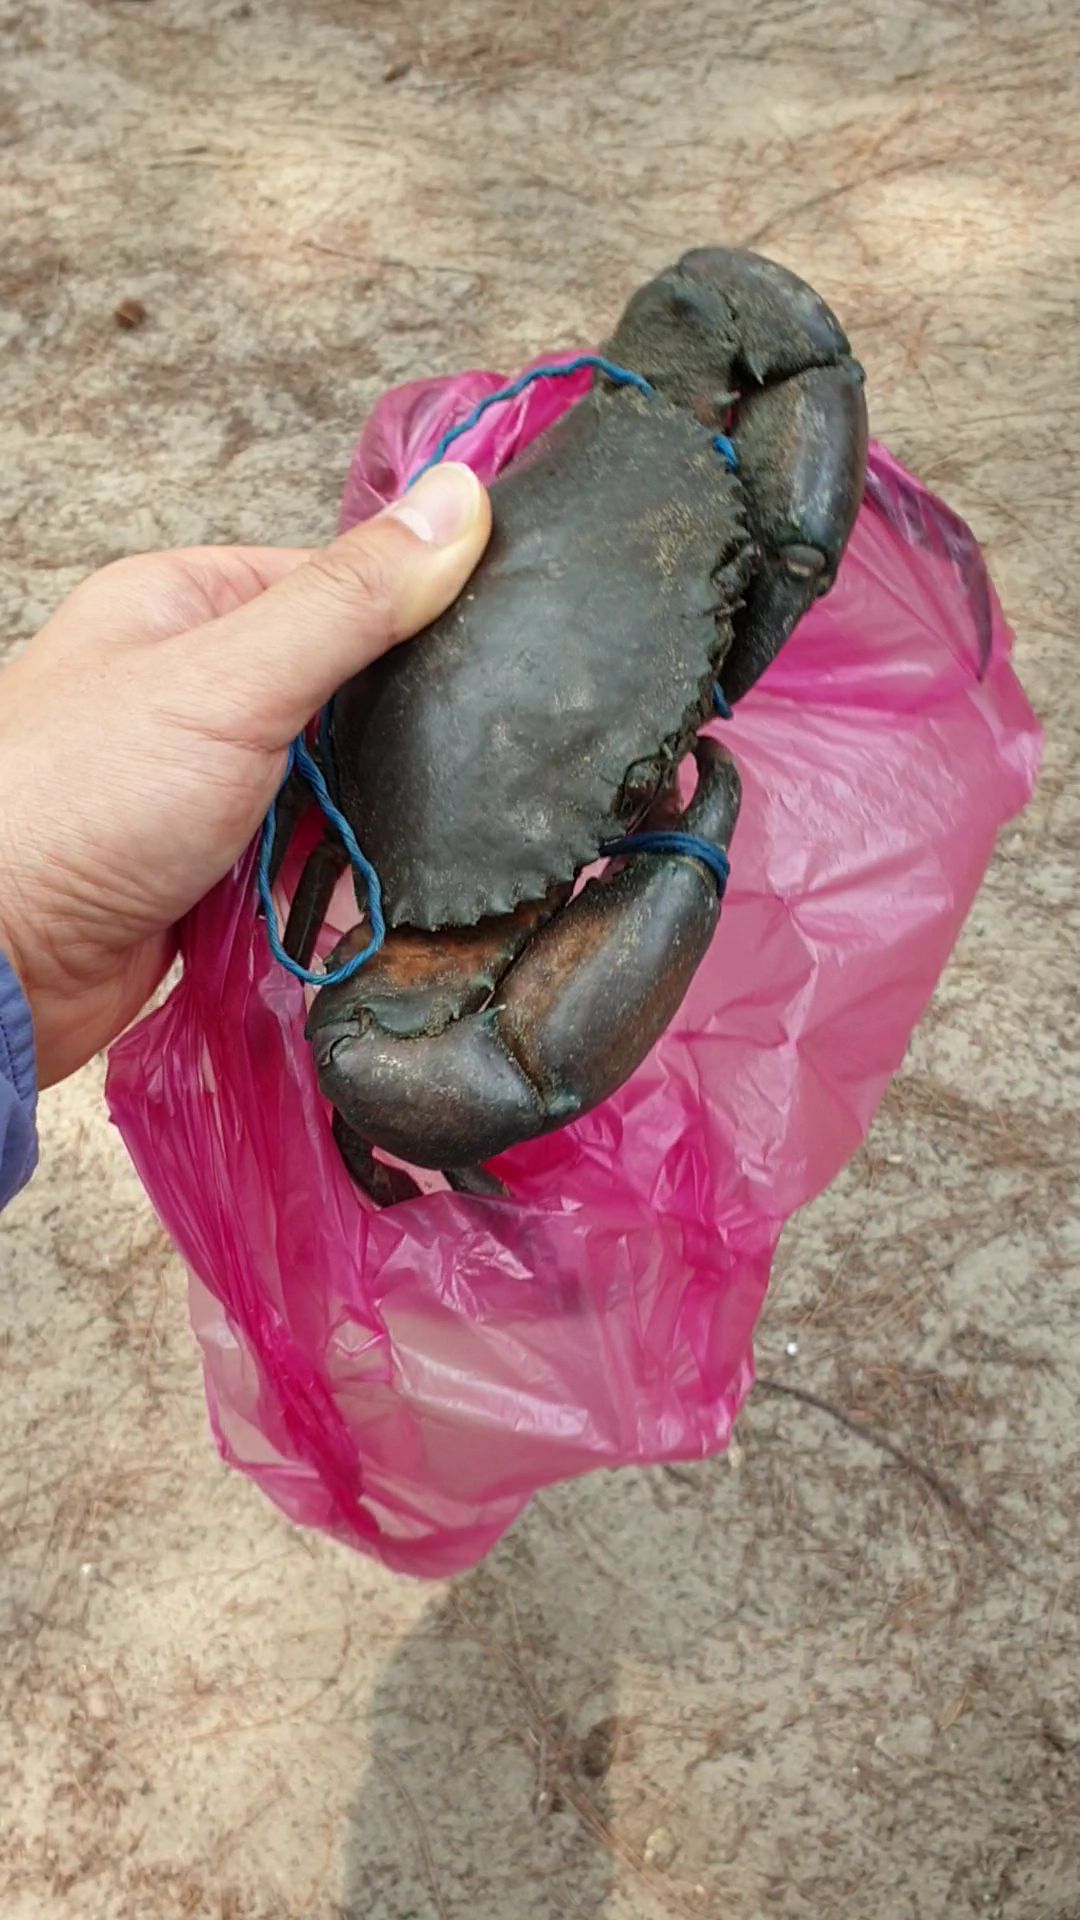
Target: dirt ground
x: 803, y: 1680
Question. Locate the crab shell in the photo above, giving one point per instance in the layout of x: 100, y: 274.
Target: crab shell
x: 495, y: 754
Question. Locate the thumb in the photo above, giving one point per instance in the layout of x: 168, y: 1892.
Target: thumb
x: 280, y: 657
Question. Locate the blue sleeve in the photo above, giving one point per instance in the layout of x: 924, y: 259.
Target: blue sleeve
x: 18, y: 1087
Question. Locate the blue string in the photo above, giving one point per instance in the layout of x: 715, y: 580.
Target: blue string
x: 721, y: 704
x: 620, y: 375
x: 301, y: 759
x: 690, y: 845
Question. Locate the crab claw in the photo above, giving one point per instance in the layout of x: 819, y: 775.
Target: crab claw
x: 801, y: 432
x: 447, y: 1060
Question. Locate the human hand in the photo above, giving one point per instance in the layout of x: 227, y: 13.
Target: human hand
x: 143, y: 736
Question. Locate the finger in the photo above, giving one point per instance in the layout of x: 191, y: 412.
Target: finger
x: 262, y: 671
x: 231, y: 576
x: 206, y: 583
x: 152, y: 596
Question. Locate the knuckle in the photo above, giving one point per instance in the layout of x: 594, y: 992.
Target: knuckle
x: 140, y: 573
x: 138, y: 597
x: 117, y: 582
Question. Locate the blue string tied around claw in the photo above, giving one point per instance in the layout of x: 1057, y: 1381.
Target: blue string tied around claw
x: 690, y: 846
x: 302, y: 761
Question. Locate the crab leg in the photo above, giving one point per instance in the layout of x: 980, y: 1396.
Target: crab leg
x: 572, y: 1016
x: 314, y: 891
x: 386, y: 1185
x: 289, y: 808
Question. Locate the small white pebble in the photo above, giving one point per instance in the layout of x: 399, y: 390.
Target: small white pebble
x: 791, y: 1349
x: 661, y: 1848
x: 86, y: 1569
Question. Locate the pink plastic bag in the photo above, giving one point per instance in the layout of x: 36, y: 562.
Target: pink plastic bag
x: 407, y: 1379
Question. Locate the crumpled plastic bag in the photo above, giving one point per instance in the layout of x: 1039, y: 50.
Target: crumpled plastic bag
x: 407, y: 1379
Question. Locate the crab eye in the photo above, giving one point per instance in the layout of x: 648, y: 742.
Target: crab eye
x: 804, y: 563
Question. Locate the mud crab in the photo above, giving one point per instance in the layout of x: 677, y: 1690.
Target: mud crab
x: 546, y: 714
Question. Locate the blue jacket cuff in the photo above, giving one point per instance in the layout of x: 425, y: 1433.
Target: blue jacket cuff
x: 18, y: 1086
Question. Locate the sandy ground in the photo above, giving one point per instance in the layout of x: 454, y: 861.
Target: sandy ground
x: 797, y: 1681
